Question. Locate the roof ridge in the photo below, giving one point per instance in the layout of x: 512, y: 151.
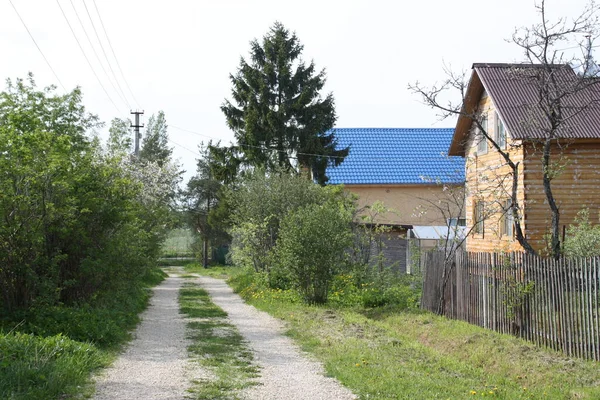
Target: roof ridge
x: 518, y: 65
x: 391, y: 128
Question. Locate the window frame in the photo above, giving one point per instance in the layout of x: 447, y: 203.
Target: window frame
x: 507, y: 221
x: 482, y: 145
x: 501, y: 135
x: 478, y: 220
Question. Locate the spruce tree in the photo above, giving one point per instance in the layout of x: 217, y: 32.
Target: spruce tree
x: 279, y: 118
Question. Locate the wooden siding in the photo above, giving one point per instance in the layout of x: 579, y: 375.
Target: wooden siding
x: 489, y: 179
x: 577, y: 186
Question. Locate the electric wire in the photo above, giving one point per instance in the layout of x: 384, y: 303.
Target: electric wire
x: 115, y: 55
x: 97, y: 56
x: 185, y: 148
x: 104, y: 53
x: 38, y: 47
x: 260, y: 147
x: 86, y: 57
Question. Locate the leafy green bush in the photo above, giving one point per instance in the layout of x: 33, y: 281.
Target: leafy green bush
x: 312, y: 247
x: 583, y: 238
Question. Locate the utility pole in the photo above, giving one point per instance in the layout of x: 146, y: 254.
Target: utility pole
x: 136, y: 129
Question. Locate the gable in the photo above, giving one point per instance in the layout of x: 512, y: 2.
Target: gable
x: 514, y: 91
x: 397, y: 156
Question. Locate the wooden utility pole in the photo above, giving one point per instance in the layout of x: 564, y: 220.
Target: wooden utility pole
x: 136, y: 129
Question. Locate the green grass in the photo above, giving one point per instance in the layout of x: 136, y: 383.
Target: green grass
x: 54, y: 367
x: 388, y: 353
x: 175, y: 262
x: 178, y: 243
x: 50, y: 352
x: 216, y: 346
x: 215, y: 271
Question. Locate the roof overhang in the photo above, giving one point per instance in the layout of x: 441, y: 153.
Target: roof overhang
x: 465, y: 120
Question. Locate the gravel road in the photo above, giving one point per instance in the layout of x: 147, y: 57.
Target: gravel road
x: 155, y: 365
x: 286, y: 372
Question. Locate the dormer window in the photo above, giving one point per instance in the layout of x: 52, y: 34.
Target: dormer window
x: 500, y: 133
x: 482, y: 146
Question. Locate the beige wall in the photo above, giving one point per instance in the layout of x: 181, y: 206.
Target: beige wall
x: 489, y: 179
x: 412, y: 204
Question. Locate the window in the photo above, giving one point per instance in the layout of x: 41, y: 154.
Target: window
x: 457, y: 222
x: 500, y: 133
x: 482, y: 146
x: 507, y: 225
x: 478, y: 216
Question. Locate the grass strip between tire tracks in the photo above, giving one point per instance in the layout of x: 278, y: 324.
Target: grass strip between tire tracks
x: 216, y: 345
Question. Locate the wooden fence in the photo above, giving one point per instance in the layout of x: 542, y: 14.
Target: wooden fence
x: 552, y: 303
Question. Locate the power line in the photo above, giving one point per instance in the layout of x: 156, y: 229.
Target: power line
x: 96, y: 54
x: 114, y: 55
x: 85, y: 56
x: 260, y: 147
x: 185, y: 148
x: 104, y: 52
x: 38, y: 47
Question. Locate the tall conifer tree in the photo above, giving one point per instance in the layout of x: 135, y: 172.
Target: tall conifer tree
x: 279, y: 118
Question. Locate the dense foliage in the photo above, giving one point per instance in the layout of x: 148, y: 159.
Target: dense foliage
x: 76, y: 222
x: 80, y: 234
x: 278, y: 116
x: 298, y: 241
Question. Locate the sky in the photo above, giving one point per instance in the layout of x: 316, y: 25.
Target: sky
x: 177, y: 55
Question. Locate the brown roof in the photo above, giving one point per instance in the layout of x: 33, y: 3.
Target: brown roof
x: 515, y: 92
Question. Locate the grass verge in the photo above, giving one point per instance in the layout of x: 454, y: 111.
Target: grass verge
x: 216, y: 345
x: 388, y: 353
x: 50, y: 352
x: 214, y: 271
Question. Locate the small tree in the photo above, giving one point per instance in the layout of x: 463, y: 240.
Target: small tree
x: 120, y: 140
x: 583, y: 238
x: 202, y: 198
x: 312, y: 246
x: 260, y: 203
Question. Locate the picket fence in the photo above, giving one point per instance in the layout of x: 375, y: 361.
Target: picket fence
x: 552, y: 303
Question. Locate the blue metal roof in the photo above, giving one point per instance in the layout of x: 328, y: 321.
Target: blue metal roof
x: 396, y: 156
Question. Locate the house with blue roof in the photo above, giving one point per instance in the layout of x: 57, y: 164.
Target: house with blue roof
x: 407, y: 169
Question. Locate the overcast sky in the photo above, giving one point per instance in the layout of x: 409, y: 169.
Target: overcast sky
x: 177, y: 55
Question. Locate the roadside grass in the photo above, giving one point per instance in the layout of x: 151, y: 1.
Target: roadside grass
x: 33, y: 367
x: 214, y: 271
x: 394, y: 353
x: 216, y: 345
x: 178, y: 244
x: 51, y: 352
x: 175, y: 262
